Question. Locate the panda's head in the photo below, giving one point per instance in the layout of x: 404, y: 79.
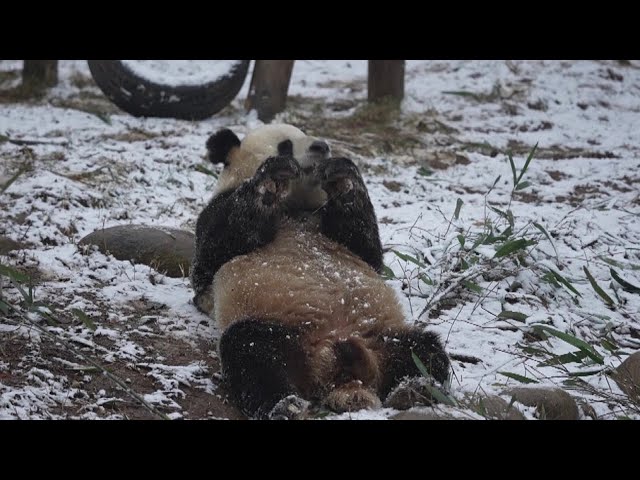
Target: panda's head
x: 242, y: 159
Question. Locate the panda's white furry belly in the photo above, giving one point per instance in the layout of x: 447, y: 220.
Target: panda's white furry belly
x: 302, y: 278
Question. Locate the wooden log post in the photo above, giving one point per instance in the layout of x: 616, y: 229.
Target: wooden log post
x: 269, y: 87
x: 386, y: 80
x: 40, y: 73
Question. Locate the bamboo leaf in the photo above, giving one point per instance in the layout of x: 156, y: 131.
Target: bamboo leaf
x: 571, y: 357
x: 388, y: 273
x: 625, y: 285
x: 607, y: 299
x: 517, y: 316
x: 519, y: 378
x: 564, y: 281
x: 409, y: 258
x: 474, y: 287
x: 513, y: 246
x: 433, y: 391
x: 576, y: 342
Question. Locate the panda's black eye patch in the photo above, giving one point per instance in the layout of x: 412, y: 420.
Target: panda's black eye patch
x: 285, y: 148
x: 319, y: 147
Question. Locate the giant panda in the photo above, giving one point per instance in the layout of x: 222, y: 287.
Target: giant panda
x: 287, y: 262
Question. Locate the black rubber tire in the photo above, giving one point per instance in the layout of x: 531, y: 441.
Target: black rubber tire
x: 141, y: 97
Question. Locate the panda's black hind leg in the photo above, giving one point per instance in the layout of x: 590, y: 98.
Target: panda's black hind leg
x: 348, y: 216
x: 261, y: 362
x: 402, y: 382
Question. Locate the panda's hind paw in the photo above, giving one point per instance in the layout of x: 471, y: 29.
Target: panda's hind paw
x: 291, y: 407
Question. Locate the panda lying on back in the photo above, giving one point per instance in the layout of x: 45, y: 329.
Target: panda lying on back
x: 287, y: 260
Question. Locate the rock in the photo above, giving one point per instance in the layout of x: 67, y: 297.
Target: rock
x: 7, y: 245
x: 423, y: 415
x: 551, y: 403
x: 168, y: 250
x: 497, y: 408
x: 627, y: 376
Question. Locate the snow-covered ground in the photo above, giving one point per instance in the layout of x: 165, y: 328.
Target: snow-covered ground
x: 87, y: 165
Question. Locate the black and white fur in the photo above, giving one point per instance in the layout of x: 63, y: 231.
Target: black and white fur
x: 287, y: 261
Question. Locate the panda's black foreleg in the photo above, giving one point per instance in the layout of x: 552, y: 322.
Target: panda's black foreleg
x: 239, y: 221
x: 261, y: 362
x: 402, y: 381
x: 348, y: 216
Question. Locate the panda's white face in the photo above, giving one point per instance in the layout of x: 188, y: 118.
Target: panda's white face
x: 262, y: 143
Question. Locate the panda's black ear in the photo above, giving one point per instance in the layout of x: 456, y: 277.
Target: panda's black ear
x: 220, y: 144
x: 285, y: 148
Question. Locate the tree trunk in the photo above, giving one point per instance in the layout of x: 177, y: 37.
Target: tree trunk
x: 269, y: 86
x: 40, y: 73
x: 386, y: 80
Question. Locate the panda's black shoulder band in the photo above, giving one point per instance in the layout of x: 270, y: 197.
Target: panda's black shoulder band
x: 220, y: 144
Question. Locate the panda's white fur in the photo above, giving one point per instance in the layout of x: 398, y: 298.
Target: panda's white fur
x: 257, y: 146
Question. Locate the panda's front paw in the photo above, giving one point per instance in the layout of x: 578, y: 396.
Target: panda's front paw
x: 339, y: 176
x: 273, y: 178
x: 290, y: 408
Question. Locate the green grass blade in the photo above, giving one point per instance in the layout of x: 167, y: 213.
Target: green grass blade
x: 14, y: 274
x: 85, y: 319
x: 461, y: 239
x: 576, y: 342
x: 513, y: 170
x: 433, y: 391
x: 564, y: 281
x: 546, y: 234
x: 205, y: 170
x: 526, y: 164
x: 571, y: 357
x: 517, y: 316
x: 607, y: 299
x: 425, y: 172
x: 495, y: 182
x: 387, y: 273
x: 513, y: 246
x: 517, y: 377
x: 587, y: 373
x: 459, y: 203
x: 474, y: 287
x: 409, y: 258
x: 625, y: 285
x: 523, y: 185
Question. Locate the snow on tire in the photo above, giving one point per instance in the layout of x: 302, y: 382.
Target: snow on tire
x: 135, y: 89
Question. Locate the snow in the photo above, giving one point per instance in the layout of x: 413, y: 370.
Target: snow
x: 87, y: 173
x: 180, y: 72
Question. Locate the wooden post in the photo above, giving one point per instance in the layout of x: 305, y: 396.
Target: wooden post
x: 269, y: 87
x: 386, y: 80
x: 40, y: 73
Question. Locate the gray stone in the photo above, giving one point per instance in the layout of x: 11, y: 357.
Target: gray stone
x: 627, y: 376
x: 497, y: 408
x: 7, y: 245
x: 425, y: 415
x: 551, y: 403
x: 168, y: 250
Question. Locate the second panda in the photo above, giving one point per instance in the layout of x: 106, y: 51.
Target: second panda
x: 287, y: 263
